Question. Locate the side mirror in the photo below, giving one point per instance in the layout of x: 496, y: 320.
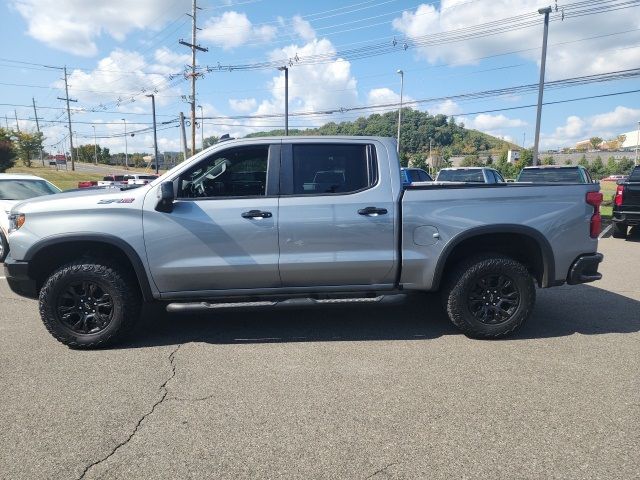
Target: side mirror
x: 166, y: 196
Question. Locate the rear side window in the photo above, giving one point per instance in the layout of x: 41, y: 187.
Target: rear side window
x: 424, y: 176
x: 551, y: 175
x: 235, y: 172
x: 329, y: 168
x: 635, y: 175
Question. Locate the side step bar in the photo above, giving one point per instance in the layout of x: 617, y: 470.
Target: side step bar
x: 204, y: 306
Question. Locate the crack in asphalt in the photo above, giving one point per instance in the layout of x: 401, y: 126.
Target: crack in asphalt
x: 381, y: 470
x: 165, y: 392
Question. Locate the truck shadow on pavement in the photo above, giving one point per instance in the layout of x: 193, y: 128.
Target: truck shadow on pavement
x: 559, y: 312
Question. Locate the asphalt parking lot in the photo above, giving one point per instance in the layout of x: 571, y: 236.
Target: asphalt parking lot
x: 352, y: 393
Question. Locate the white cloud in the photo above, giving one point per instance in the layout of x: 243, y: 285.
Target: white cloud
x: 242, y: 105
x: 312, y: 87
x: 74, y: 25
x: 572, y: 58
x: 233, y: 29
x: 620, y: 117
x: 303, y: 28
x: 448, y: 107
x: 605, y: 125
x: 489, y: 123
x: 381, y: 96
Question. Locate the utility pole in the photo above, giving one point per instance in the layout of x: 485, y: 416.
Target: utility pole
x: 6, y: 122
x: 285, y: 69
x: 35, y: 112
x: 67, y: 99
x: 543, y: 61
x: 201, y: 125
x: 126, y: 148
x: 183, y: 137
x: 194, y: 46
x: 155, y: 133
x: 430, y: 155
x: 17, y: 126
x: 401, y: 73
x: 524, y: 136
x: 95, y: 146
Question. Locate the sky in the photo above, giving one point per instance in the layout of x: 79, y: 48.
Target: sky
x: 340, y: 54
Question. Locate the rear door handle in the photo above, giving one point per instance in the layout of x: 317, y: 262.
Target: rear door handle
x: 372, y: 211
x: 257, y: 214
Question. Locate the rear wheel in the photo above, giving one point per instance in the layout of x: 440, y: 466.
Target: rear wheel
x: 489, y: 296
x: 89, y: 304
x: 4, y: 247
x: 619, y: 230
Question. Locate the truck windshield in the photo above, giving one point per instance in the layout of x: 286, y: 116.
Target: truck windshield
x: 24, y: 189
x: 461, y: 176
x: 551, y: 175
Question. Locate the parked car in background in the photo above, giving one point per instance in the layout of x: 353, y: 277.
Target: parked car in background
x: 15, y: 188
x: 298, y: 221
x: 626, y: 204
x: 87, y: 184
x: 614, y: 178
x: 470, y: 175
x: 114, y: 180
x: 140, y: 179
x: 555, y: 174
x: 411, y: 175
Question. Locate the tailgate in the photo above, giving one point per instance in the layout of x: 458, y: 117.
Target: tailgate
x: 631, y: 195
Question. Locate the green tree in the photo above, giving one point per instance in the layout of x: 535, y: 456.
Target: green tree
x: 489, y: 160
x: 526, y: 158
x: 625, y: 165
x: 471, y: 161
x: 28, y: 144
x: 208, y: 141
x: 567, y: 162
x: 595, y: 141
x: 612, y: 166
x: 548, y: 160
x: 7, y: 151
x: 597, y: 169
x: 583, y: 161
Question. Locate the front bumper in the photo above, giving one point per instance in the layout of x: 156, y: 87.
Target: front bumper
x: 17, y: 274
x: 585, y: 269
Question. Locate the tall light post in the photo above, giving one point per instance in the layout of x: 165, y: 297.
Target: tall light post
x: 543, y: 62
x: 637, y: 142
x: 285, y: 69
x: 126, y: 147
x: 95, y: 146
x: 401, y: 73
x: 155, y: 131
x: 201, y: 125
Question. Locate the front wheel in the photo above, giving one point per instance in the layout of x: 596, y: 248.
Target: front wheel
x: 4, y: 247
x: 89, y: 304
x: 489, y: 296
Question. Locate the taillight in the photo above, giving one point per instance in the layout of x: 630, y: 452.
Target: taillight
x: 619, y: 193
x: 595, y: 199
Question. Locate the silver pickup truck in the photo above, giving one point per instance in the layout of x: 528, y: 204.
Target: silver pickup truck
x: 298, y: 221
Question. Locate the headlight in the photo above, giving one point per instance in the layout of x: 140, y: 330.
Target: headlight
x: 16, y: 221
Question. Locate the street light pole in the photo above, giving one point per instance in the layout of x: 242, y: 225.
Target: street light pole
x: 126, y: 148
x: 155, y: 132
x: 201, y: 125
x: 285, y: 69
x: 95, y: 146
x: 543, y: 62
x: 637, y: 142
x: 401, y: 73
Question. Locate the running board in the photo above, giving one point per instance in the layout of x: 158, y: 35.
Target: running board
x: 195, y: 307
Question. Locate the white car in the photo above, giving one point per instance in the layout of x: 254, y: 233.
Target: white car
x: 15, y: 188
x: 136, y: 179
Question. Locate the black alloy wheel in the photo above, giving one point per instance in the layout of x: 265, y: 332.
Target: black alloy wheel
x: 493, y: 299
x: 85, y: 308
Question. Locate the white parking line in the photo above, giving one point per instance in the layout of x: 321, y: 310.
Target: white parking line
x: 605, y: 231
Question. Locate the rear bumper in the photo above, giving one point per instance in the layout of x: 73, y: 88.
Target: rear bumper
x: 17, y: 274
x: 627, y: 217
x: 585, y: 269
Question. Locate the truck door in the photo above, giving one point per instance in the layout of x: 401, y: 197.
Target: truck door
x: 222, y: 233
x: 337, y: 215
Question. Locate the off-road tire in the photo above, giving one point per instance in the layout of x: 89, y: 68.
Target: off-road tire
x: 460, y: 283
x: 4, y: 247
x: 112, y: 279
x: 619, y: 230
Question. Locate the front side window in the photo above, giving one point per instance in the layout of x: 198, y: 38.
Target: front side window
x: 327, y: 168
x: 235, y: 172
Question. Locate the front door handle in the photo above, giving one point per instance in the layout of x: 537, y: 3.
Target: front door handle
x: 372, y: 211
x: 257, y: 214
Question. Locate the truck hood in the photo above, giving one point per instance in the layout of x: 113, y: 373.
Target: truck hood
x: 76, y: 199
